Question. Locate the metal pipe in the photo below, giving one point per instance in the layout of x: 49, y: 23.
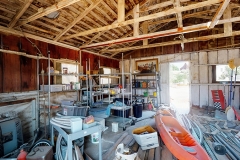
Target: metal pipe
x: 38, y: 106
x: 124, y: 128
x: 233, y: 153
x: 49, y: 108
x: 200, y: 132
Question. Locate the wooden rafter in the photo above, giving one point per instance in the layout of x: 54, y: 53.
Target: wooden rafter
x: 219, y: 13
x: 76, y: 20
x: 121, y: 10
x: 136, y: 24
x: 145, y: 18
x: 179, y: 14
x: 48, y: 10
x: 101, y: 33
x: 187, y: 29
x: 196, y: 39
x: 227, y: 26
x: 20, y: 13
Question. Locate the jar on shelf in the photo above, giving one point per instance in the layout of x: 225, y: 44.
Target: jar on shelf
x: 65, y: 70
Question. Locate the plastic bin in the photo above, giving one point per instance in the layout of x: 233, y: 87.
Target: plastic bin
x: 119, y: 113
x: 126, y: 100
x: 137, y: 110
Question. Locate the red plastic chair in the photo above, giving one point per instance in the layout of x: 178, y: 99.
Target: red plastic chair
x: 218, y: 99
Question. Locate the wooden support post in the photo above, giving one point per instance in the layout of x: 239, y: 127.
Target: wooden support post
x: 136, y: 24
x: 227, y: 26
x: 145, y: 31
x: 121, y: 10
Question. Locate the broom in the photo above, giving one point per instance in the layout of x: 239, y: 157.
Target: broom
x: 229, y: 111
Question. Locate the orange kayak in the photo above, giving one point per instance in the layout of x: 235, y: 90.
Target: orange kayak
x: 177, y: 139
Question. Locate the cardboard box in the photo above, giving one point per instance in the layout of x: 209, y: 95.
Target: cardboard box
x: 146, y: 137
x: 53, y: 88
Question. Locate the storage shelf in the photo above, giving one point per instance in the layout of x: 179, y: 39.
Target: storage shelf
x: 60, y: 74
x: 151, y: 96
x: 144, y: 88
x: 144, y: 74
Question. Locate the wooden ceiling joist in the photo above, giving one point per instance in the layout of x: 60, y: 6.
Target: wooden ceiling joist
x: 48, y: 10
x: 219, y: 13
x: 145, y: 18
x: 196, y: 39
x: 20, y: 13
x: 76, y: 20
x: 188, y: 29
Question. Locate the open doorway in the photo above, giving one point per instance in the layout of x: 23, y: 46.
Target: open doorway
x: 179, y: 86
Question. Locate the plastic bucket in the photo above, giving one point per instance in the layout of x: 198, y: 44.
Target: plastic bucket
x: 115, y: 127
x: 95, y: 138
x: 137, y: 110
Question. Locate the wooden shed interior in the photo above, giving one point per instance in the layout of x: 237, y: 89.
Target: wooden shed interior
x: 93, y: 33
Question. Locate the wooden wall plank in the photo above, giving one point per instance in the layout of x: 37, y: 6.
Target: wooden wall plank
x: 203, y: 95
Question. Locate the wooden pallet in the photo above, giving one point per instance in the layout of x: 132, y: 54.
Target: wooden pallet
x: 158, y: 153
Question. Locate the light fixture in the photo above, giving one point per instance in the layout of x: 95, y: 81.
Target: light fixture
x: 53, y: 15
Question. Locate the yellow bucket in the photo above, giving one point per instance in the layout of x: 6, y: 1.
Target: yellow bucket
x: 155, y: 94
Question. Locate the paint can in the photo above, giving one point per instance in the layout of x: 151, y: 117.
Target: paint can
x: 155, y: 94
x: 95, y: 138
x: 114, y: 127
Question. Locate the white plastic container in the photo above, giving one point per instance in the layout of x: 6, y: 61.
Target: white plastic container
x: 95, y: 138
x: 115, y: 127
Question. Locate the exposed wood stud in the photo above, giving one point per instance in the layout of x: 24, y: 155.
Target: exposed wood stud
x: 219, y: 13
x: 148, y: 17
x: 227, y: 26
x: 136, y: 24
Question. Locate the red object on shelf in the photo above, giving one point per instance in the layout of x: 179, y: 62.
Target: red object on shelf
x: 22, y: 155
x: 217, y: 96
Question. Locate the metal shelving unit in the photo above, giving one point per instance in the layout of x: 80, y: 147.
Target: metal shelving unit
x: 69, y: 137
x: 155, y: 86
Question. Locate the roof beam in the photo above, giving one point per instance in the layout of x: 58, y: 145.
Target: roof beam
x: 121, y: 10
x: 165, y: 33
x: 101, y: 33
x: 136, y: 24
x: 227, y: 26
x: 187, y: 29
x: 179, y: 14
x: 196, y: 39
x: 219, y: 13
x: 145, y: 31
x: 145, y: 18
x: 20, y: 13
x: 76, y: 20
x: 48, y: 10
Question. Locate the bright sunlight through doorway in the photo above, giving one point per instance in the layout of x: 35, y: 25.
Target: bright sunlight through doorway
x: 179, y: 87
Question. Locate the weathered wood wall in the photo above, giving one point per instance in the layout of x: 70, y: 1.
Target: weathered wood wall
x: 19, y: 73
x: 18, y: 78
x: 200, y: 75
